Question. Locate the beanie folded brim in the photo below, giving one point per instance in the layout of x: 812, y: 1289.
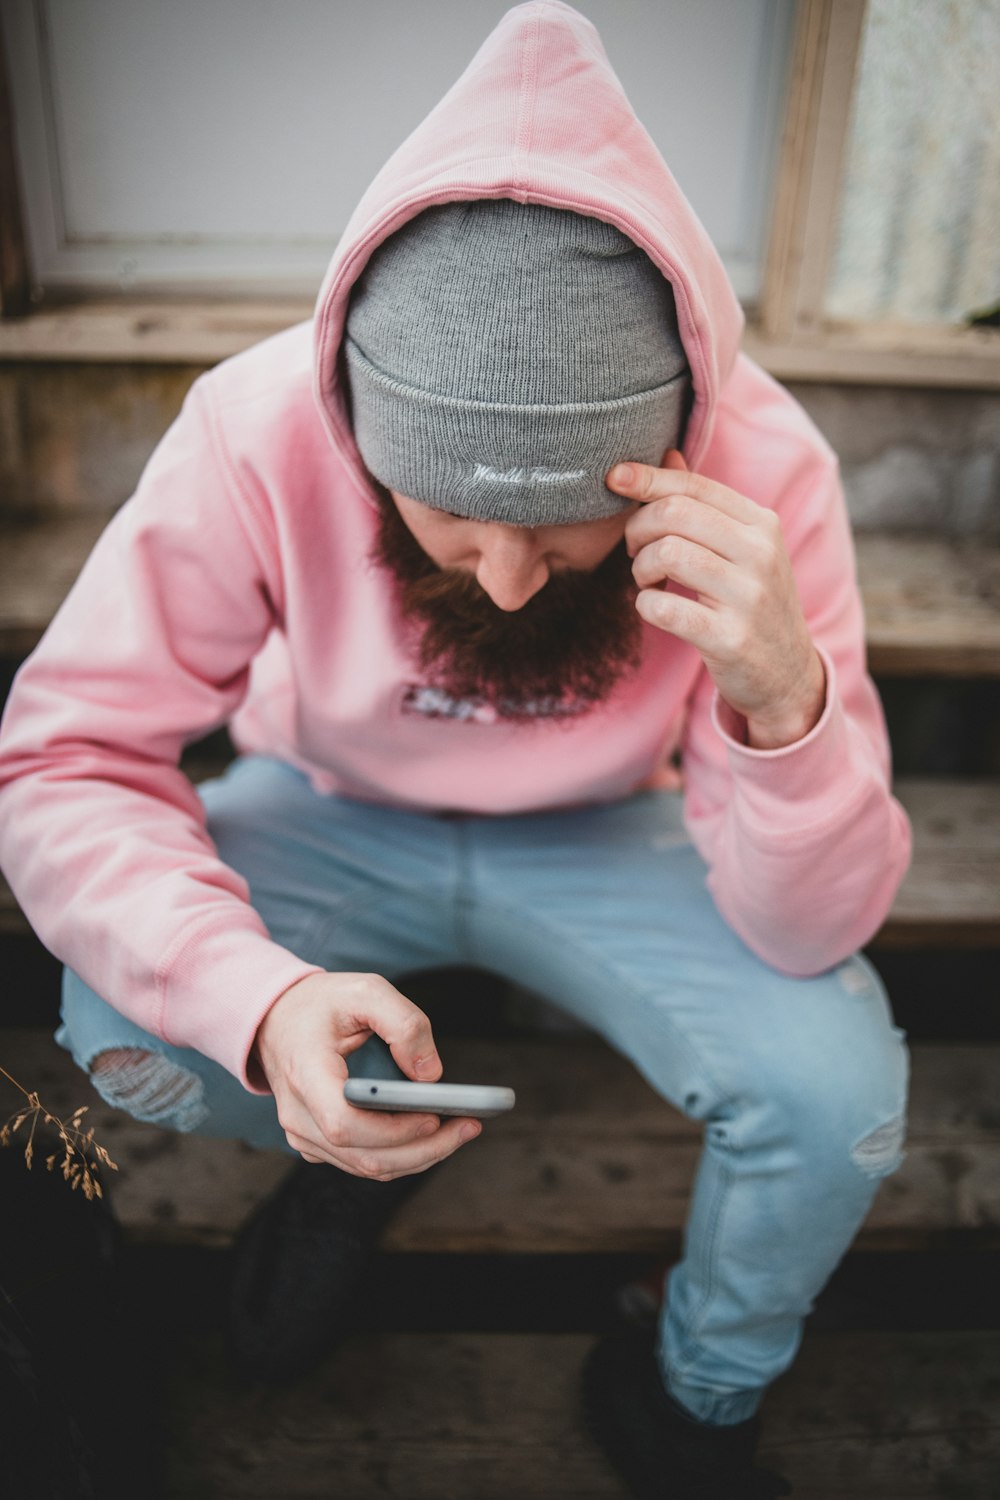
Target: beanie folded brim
x: 495, y: 462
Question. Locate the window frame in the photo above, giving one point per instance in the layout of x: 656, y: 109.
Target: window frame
x: 787, y: 332
x: 790, y: 335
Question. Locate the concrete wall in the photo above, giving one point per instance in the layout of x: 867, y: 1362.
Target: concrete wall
x: 922, y: 459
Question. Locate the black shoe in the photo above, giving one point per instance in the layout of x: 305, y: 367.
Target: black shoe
x: 661, y: 1451
x: 297, y: 1264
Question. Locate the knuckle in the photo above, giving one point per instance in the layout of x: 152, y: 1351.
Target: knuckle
x: 765, y: 543
x: 413, y: 1025
x: 370, y: 1166
x: 669, y: 551
x: 756, y: 593
x: 738, y: 638
x: 330, y: 1127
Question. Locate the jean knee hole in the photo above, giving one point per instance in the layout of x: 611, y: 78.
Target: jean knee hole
x: 880, y: 1152
x: 855, y: 978
x: 150, y: 1088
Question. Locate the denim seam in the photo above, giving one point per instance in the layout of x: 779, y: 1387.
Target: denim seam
x: 686, y: 1331
x: 463, y: 901
x: 599, y: 960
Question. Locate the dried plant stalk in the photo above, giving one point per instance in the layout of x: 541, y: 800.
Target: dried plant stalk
x: 81, y: 1153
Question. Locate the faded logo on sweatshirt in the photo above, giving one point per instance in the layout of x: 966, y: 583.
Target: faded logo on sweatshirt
x: 435, y: 703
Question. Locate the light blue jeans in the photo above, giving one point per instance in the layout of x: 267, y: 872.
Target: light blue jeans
x: 800, y: 1083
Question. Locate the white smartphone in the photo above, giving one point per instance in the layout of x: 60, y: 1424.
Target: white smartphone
x: 394, y: 1094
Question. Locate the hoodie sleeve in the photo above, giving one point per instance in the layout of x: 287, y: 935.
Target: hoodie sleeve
x: 102, y: 837
x: 805, y: 844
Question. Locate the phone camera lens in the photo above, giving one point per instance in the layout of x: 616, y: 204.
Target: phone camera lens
x: 373, y: 1090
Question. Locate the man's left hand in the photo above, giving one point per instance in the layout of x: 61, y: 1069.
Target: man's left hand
x: 747, y: 621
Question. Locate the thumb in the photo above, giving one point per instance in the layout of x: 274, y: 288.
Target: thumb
x: 674, y: 459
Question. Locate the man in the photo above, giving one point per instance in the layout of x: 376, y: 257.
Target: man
x: 457, y: 647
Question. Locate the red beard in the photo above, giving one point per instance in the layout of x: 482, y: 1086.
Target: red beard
x: 561, y: 654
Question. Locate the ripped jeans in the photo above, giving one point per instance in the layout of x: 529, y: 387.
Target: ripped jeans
x: 800, y: 1083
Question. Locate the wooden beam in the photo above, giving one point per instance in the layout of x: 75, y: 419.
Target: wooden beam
x: 894, y: 354
x: 824, y: 61
x: 172, y: 330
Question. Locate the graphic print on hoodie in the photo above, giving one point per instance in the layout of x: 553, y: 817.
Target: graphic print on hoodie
x: 234, y: 587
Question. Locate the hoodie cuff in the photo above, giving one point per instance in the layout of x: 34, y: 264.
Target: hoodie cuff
x: 798, y: 787
x: 218, y: 988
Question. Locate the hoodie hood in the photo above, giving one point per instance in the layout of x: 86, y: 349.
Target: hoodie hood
x: 540, y: 116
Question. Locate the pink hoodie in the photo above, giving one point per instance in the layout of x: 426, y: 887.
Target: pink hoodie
x: 233, y: 587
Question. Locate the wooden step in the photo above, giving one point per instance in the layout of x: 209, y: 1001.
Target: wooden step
x: 591, y: 1160
x: 886, y: 1416
x: 932, y: 606
x: 950, y: 896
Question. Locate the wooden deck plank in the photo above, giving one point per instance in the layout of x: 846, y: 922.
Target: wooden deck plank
x: 39, y: 562
x: 932, y: 606
x: 890, y: 1416
x: 949, y: 898
x: 597, y: 1163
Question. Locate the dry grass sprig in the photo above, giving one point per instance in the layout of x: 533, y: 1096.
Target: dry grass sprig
x: 81, y: 1152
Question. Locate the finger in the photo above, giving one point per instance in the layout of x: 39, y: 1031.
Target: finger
x: 403, y: 1161
x: 402, y: 1026
x: 682, y: 617
x: 357, y: 1130
x: 320, y: 1118
x: 643, y: 482
x: 377, y: 1127
x: 681, y: 516
x: 698, y: 568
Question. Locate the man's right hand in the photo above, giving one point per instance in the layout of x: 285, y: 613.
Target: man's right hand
x: 302, y: 1044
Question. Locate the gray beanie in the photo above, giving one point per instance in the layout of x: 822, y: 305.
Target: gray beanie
x: 501, y: 357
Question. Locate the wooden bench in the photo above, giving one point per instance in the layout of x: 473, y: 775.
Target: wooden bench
x: 591, y: 1161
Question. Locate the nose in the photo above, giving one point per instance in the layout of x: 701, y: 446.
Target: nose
x: 512, y: 567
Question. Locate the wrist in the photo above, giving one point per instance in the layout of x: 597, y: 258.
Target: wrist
x: 774, y: 733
